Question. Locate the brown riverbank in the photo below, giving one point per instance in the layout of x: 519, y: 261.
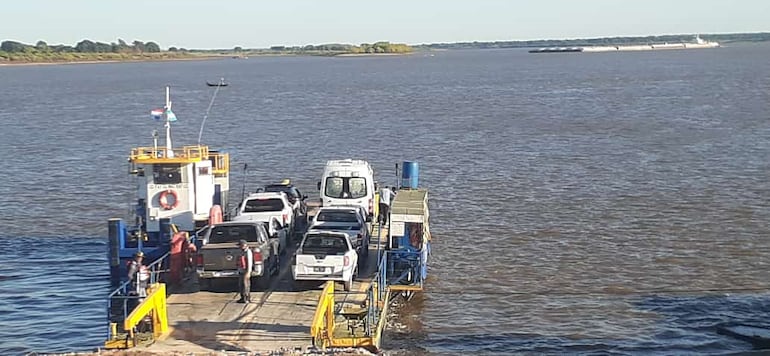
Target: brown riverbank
x: 112, y: 60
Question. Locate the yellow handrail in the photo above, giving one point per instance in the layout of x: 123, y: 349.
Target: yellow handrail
x: 221, y: 163
x: 322, y: 327
x: 186, y: 152
x: 155, y: 305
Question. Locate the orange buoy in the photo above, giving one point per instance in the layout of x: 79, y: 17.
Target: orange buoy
x: 163, y: 199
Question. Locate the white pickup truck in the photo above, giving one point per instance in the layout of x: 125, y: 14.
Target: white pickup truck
x: 326, y: 256
x: 348, y: 219
x: 268, y: 208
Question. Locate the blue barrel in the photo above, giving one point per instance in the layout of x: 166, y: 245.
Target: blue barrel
x: 409, y: 175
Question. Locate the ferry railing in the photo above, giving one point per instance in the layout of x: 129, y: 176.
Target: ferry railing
x: 122, y: 301
x: 220, y: 163
x: 344, y: 309
x: 404, y: 268
x: 186, y: 152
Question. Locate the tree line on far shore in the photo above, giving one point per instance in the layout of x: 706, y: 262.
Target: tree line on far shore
x: 84, y: 46
x: 377, y: 47
x: 86, y: 50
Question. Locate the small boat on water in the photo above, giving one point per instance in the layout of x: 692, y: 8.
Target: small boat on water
x: 221, y: 83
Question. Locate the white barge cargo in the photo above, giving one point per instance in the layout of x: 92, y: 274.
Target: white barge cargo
x: 699, y: 43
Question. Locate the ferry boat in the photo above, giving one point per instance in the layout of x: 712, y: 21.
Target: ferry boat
x: 179, y: 193
x: 178, y: 190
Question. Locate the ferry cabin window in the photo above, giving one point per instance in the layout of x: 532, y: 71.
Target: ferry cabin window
x: 223, y: 234
x: 262, y: 205
x: 167, y: 174
x: 345, y: 187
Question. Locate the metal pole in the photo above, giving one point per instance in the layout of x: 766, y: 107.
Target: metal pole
x: 379, y: 242
x: 243, y: 189
x: 155, y: 142
x: 398, y: 182
x: 169, y: 152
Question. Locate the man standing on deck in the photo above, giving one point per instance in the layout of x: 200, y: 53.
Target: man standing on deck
x: 245, y: 263
x: 386, y: 195
x: 139, y: 276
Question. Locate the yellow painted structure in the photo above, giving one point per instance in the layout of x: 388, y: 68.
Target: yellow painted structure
x: 327, y: 332
x: 153, y: 305
x: 186, y: 154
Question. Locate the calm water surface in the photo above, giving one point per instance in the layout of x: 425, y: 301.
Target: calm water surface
x: 581, y: 203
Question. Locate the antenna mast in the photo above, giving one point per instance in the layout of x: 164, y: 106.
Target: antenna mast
x: 169, y: 150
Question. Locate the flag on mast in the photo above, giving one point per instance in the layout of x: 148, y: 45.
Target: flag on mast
x: 156, y: 114
x: 170, y: 115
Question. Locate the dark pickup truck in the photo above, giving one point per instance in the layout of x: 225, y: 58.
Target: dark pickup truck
x: 218, y: 258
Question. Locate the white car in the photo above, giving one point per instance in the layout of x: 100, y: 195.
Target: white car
x: 326, y: 256
x: 263, y: 207
x: 347, y: 219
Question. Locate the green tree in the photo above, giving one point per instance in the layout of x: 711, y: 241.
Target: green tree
x: 172, y: 49
x: 123, y: 47
x: 151, y: 47
x: 100, y: 47
x: 85, y: 46
x: 237, y: 49
x: 41, y: 46
x: 138, y: 46
x: 12, y: 46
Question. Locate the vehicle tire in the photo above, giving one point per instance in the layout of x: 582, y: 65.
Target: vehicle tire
x: 204, y: 284
x: 361, y: 262
x: 262, y: 283
x: 276, y: 265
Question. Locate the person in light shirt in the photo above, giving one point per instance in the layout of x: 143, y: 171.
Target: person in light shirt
x: 386, y: 196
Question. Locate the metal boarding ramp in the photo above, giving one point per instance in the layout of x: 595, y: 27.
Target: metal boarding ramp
x: 133, y: 319
x: 143, y: 319
x: 341, y: 319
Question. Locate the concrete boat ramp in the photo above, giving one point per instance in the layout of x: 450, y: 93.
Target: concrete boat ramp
x: 276, y: 319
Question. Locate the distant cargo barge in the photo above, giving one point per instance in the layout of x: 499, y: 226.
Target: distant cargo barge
x: 699, y: 43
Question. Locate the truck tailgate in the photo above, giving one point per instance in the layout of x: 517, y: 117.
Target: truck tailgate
x: 321, y: 264
x: 220, y: 257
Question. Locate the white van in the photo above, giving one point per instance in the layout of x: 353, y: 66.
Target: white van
x: 348, y: 182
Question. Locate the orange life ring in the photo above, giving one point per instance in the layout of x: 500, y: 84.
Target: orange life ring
x: 163, y: 199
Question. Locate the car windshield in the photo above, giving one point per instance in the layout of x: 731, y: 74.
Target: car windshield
x: 345, y: 187
x: 232, y: 233
x: 323, y: 244
x: 290, y: 191
x: 337, y: 227
x: 262, y: 205
x: 337, y: 216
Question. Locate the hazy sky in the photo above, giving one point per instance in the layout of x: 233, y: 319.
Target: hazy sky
x: 264, y: 23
